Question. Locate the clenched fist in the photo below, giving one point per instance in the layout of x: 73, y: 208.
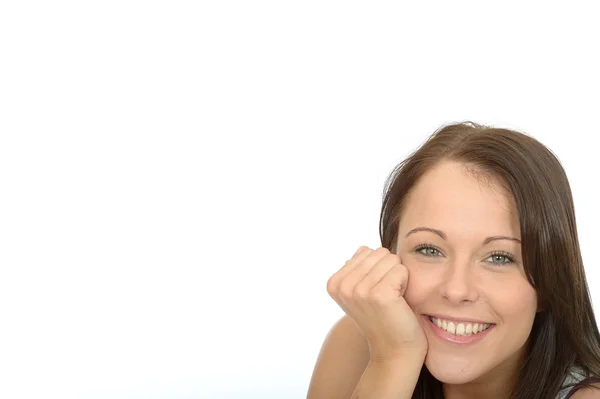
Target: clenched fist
x: 370, y: 289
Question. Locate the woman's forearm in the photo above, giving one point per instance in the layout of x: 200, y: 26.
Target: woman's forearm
x: 389, y: 379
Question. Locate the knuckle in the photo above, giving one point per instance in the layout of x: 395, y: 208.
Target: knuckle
x: 356, y: 254
x: 332, y: 285
x: 382, y: 250
x: 362, y: 249
x: 361, y: 292
x: 346, y: 290
x: 396, y: 257
x: 392, y: 257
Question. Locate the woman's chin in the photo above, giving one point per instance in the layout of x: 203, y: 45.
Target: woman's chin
x: 452, y: 370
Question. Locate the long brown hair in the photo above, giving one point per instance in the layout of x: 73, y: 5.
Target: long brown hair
x: 564, y: 333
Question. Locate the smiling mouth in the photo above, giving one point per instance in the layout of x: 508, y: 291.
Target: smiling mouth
x: 460, y: 328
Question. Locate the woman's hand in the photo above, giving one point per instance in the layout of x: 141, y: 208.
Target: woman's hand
x: 370, y: 289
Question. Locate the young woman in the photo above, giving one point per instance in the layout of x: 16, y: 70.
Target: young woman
x: 478, y: 289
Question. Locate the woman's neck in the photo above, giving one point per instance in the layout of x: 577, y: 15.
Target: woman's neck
x: 498, y: 383
x: 493, y: 390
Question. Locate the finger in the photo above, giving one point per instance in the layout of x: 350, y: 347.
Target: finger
x: 350, y: 280
x: 394, y: 282
x: 334, y: 281
x: 360, y: 249
x: 361, y: 254
x: 375, y: 275
x: 359, y: 271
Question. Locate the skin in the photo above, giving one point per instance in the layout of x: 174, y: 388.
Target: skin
x: 460, y: 276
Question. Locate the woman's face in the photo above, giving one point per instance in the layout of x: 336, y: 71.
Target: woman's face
x: 459, y: 238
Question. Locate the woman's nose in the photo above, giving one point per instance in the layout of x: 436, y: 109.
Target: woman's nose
x: 458, y: 284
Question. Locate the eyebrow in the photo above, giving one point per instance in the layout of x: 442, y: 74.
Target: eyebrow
x: 444, y: 236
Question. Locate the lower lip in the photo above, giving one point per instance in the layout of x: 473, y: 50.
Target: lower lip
x: 457, y: 339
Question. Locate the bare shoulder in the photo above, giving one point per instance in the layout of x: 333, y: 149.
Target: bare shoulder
x: 342, y: 360
x: 592, y: 392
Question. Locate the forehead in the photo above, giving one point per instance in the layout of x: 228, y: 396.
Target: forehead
x: 454, y: 198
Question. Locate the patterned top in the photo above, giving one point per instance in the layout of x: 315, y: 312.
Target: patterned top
x: 575, y: 376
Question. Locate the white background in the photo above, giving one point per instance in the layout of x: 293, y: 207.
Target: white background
x: 178, y: 180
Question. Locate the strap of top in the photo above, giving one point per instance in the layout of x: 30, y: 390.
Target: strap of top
x: 581, y: 385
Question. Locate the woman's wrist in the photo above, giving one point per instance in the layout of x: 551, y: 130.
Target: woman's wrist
x: 392, y: 377
x: 393, y: 358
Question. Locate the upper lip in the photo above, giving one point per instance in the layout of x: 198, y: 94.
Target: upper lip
x: 459, y: 319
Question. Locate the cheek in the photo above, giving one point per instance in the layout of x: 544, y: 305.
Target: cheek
x: 516, y: 302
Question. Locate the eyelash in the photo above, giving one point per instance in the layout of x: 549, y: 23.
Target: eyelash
x: 509, y: 258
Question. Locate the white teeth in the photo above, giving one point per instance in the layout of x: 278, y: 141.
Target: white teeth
x: 460, y: 328
x: 451, y: 329
x: 469, y: 329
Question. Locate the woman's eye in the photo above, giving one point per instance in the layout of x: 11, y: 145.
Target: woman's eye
x: 428, y: 251
x: 500, y: 259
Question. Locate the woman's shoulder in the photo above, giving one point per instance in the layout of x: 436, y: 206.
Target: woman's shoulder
x: 341, y: 362
x: 575, y: 376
